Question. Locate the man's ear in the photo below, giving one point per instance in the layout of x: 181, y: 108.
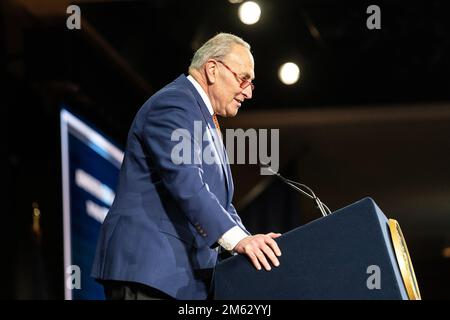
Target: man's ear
x: 211, y: 71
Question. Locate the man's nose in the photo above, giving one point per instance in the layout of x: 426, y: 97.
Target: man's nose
x: 248, y: 92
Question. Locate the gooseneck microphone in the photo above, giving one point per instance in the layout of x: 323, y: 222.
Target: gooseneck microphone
x: 324, y: 210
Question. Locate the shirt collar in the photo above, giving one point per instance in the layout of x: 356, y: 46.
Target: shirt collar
x: 202, y: 94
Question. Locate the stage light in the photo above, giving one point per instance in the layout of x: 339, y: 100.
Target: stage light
x: 249, y: 12
x: 446, y: 252
x: 289, y: 73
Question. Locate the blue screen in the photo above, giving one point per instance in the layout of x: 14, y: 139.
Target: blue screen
x: 91, y: 165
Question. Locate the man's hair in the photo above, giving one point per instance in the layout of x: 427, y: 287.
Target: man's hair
x: 216, y: 48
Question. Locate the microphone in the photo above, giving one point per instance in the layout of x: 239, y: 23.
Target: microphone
x: 324, y: 210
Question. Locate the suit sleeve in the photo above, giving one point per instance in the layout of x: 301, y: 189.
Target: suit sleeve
x: 234, y: 214
x: 169, y: 113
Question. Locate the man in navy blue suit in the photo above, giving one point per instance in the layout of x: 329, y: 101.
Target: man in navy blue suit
x: 172, y: 212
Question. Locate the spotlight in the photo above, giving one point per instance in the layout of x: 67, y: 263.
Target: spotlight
x: 249, y: 12
x: 289, y: 73
x: 446, y: 252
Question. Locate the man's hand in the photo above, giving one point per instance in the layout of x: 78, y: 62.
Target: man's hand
x: 258, y: 247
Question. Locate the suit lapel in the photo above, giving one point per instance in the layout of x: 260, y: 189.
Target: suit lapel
x: 227, y: 166
x: 217, y: 141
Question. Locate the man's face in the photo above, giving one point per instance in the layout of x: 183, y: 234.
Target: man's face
x: 226, y: 93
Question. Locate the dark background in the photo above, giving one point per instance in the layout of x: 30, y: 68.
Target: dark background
x: 370, y: 115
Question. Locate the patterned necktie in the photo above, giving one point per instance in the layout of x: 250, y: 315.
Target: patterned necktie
x: 216, y: 123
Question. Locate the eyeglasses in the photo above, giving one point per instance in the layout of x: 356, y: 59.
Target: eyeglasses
x: 242, y: 82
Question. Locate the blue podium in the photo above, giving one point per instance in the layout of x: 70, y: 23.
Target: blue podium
x: 353, y: 253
